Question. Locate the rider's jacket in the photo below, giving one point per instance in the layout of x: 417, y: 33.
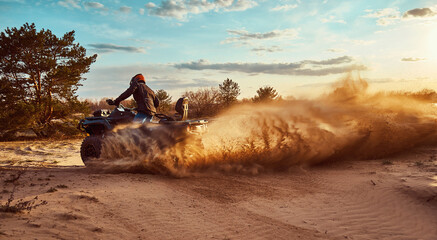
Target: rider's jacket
x: 146, y: 99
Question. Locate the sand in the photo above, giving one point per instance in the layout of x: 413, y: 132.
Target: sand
x: 389, y: 198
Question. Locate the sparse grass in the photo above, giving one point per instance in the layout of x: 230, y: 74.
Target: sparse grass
x: 5, y: 191
x: 11, y: 209
x: 387, y: 162
x: 52, y: 189
x: 62, y: 186
x: 20, y: 205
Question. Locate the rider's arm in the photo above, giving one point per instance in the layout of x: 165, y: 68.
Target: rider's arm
x: 156, y: 102
x: 125, y: 94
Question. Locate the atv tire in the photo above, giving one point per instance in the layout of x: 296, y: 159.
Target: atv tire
x: 91, y: 148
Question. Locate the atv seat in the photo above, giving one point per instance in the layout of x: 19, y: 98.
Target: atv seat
x: 181, y: 109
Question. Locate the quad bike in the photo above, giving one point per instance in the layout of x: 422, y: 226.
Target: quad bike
x: 104, y: 121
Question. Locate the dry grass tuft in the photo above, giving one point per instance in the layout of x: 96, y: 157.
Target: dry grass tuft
x: 52, y: 189
x: 89, y: 198
x: 20, y: 205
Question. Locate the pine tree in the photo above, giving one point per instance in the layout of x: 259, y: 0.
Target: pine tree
x: 265, y: 94
x: 228, y: 92
x: 43, y: 71
x: 164, y: 101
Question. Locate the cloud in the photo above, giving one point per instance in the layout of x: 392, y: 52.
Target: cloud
x: 141, y: 11
x: 304, y: 68
x: 412, y: 59
x: 245, y: 36
x: 70, y: 4
x: 284, y: 8
x: 95, y: 5
x: 180, y: 9
x: 389, y: 16
x: 386, y: 16
x: 240, y: 5
x: 333, y: 19
x: 267, y: 49
x: 109, y: 47
x: 332, y: 61
x: 335, y: 50
x: 125, y: 9
x: 176, y: 9
x: 150, y: 5
x: 419, y: 13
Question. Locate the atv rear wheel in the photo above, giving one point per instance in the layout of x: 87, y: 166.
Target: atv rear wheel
x: 90, y: 148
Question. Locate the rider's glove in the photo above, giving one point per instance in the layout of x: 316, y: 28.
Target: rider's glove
x: 110, y: 101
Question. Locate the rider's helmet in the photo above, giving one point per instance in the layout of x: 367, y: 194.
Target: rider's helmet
x: 138, y: 78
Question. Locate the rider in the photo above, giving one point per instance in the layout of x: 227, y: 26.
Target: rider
x: 145, y: 98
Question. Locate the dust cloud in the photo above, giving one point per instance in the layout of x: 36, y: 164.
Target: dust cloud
x: 346, y: 123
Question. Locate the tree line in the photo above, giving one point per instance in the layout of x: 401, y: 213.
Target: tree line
x: 204, y: 102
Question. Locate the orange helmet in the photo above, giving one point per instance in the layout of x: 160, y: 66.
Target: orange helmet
x: 139, y: 78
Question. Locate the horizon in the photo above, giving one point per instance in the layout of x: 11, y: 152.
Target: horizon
x: 297, y: 47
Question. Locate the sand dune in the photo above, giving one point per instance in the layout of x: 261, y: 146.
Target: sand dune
x: 302, y: 169
x: 41, y: 153
x: 390, y: 198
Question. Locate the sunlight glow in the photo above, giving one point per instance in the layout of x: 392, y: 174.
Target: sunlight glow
x: 432, y: 43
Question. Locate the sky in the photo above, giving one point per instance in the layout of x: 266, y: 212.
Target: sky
x: 298, y: 47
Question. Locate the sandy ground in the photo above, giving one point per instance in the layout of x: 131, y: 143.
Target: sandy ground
x: 391, y: 198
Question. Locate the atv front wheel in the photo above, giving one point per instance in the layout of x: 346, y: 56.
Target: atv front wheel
x: 90, y: 148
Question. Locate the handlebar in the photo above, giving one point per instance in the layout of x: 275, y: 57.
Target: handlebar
x: 112, y: 103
